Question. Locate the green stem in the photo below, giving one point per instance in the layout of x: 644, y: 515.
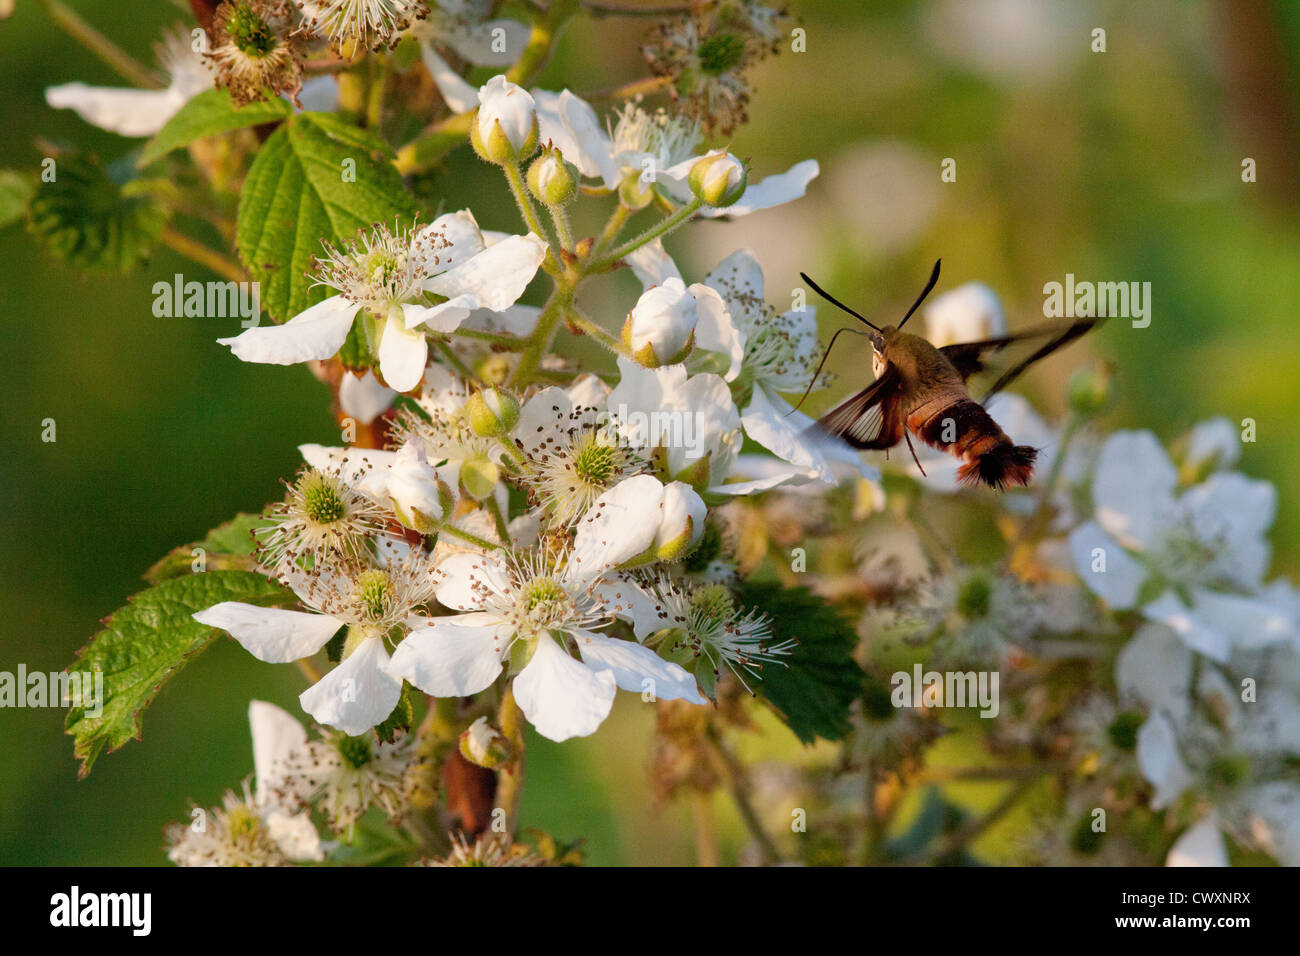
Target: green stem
x: 510, y: 778
x: 540, y: 341
x: 197, y: 251
x: 661, y: 228
x: 102, y: 46
x: 529, y: 213
x: 736, y: 785
x: 1037, y: 522
x: 512, y: 342
x: 617, y: 220
x: 454, y: 361
x: 473, y: 539
x: 503, y: 527
x: 610, y: 342
x: 380, y: 72
x: 562, y: 229
x: 541, y: 39
x: 437, y: 140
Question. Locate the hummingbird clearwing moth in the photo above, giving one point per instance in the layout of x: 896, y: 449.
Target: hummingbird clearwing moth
x: 922, y: 390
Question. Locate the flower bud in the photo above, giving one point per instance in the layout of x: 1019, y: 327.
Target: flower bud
x: 633, y: 193
x: 419, y: 498
x: 1090, y: 389
x: 551, y: 180
x: 479, y: 477
x: 483, y: 745
x: 492, y: 412
x: 718, y: 178
x: 504, y: 129
x: 969, y: 313
x: 682, y: 524
x: 660, y: 329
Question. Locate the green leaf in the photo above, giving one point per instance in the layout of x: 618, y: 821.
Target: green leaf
x: 207, y: 114
x: 226, y: 546
x: 16, y: 191
x: 400, y: 718
x: 95, y: 217
x: 146, y: 643
x: 296, y: 196
x: 814, y: 693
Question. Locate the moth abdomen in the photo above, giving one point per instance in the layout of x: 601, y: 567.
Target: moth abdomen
x: 966, y: 430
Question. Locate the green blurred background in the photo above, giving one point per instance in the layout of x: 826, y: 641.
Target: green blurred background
x: 1123, y: 165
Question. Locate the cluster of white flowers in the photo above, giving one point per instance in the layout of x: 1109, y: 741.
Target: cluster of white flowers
x: 518, y: 538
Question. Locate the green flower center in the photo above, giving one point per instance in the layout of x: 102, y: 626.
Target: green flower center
x: 721, y: 52
x: 375, y: 593
x: 242, y: 822
x: 380, y: 266
x: 355, y: 751
x: 250, y: 33
x: 713, y: 606
x: 975, y: 597
x: 322, y: 498
x: 595, y: 462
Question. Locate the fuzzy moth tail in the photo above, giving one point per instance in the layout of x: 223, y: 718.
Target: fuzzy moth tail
x: 1000, y: 466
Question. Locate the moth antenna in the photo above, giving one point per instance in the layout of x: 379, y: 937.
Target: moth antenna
x: 934, y: 277
x: 837, y: 303
x: 825, y: 355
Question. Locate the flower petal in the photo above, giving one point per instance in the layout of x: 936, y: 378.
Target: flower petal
x: 1200, y: 845
x: 1120, y: 576
x: 714, y: 329
x: 363, y: 397
x: 356, y: 695
x: 1160, y: 762
x: 1200, y: 634
x: 271, y: 634
x: 497, y: 276
x: 620, y: 524
x: 465, y: 577
x: 561, y: 697
x: 769, y: 192
x: 276, y: 735
x: 1133, y: 487
x: 450, y: 658
x: 652, y: 265
x: 403, y: 354
x: 638, y: 669
x: 457, y: 94
x: 315, y: 333
x: 119, y: 110
x: 477, y: 42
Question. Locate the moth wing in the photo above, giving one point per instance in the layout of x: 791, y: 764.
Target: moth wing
x: 971, y: 358
x: 871, y: 419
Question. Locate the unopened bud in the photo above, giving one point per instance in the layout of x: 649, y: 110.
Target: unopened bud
x: 483, y: 745
x: 551, y: 180
x: 718, y: 178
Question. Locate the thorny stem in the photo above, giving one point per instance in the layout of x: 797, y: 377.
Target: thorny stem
x: 529, y: 213
x: 626, y: 91
x: 562, y: 230
x: 472, y: 538
x: 540, y: 341
x: 454, y: 361
x: 102, y: 46
x: 661, y: 228
x: 610, y: 342
x: 707, y: 851
x: 617, y: 220
x: 494, y: 509
x: 737, y: 786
